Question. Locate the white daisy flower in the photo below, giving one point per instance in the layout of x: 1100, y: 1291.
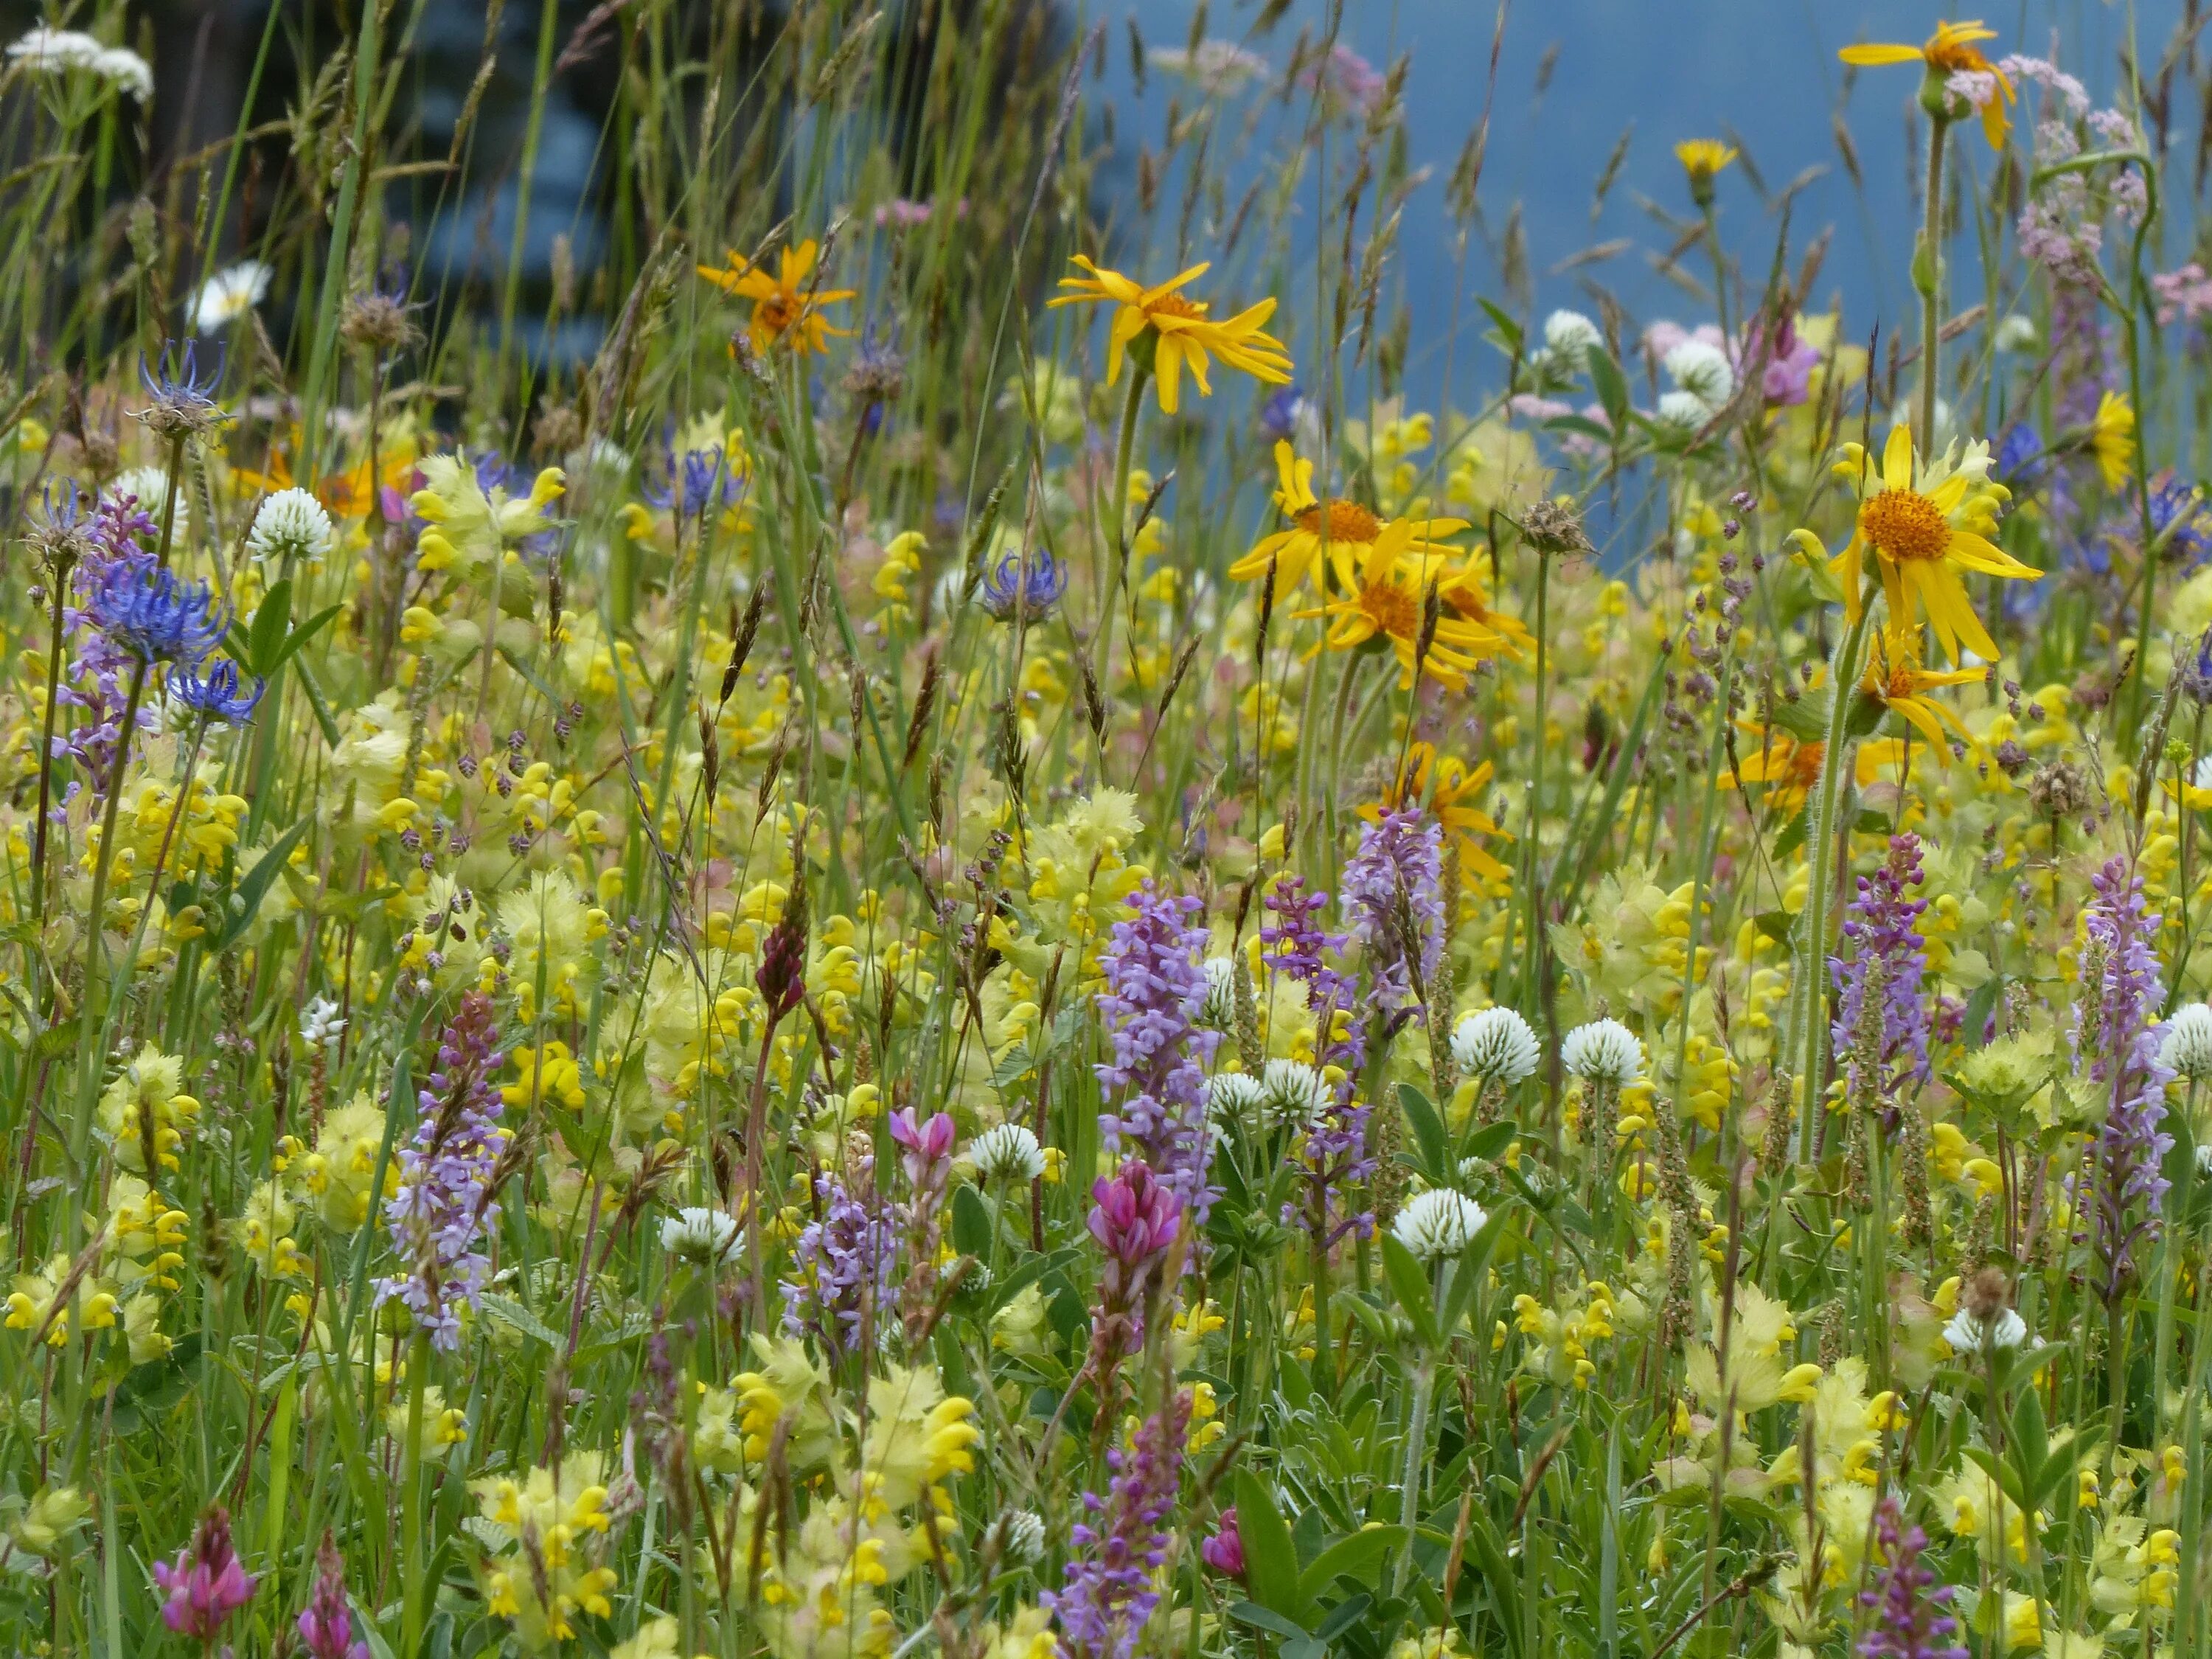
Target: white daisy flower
x: 230, y: 294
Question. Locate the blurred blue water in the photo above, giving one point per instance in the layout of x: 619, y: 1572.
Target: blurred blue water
x: 1763, y: 73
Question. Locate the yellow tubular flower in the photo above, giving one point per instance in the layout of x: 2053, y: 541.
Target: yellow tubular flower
x: 1926, y: 526
x: 1180, y: 331
x: 786, y: 303
x: 1951, y: 50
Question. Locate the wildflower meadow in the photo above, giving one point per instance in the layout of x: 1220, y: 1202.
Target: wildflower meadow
x: 946, y: 899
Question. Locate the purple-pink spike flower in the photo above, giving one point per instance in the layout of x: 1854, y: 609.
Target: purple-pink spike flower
x: 325, y: 1625
x: 1110, y: 1591
x: 1155, y: 990
x: 1881, y: 927
x: 1134, y: 1218
x: 926, y: 1144
x: 1224, y: 1551
x: 206, y: 1585
x: 2122, y: 1053
x: 1910, y: 1617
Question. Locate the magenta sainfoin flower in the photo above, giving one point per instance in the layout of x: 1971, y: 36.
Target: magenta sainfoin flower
x: 1392, y: 893
x: 325, y: 1625
x: 1224, y: 1551
x: 926, y: 1155
x: 1108, y: 1594
x: 1910, y: 1619
x: 1881, y: 946
x: 1134, y: 1217
x: 206, y: 1584
x: 2122, y: 1053
x: 444, y: 1204
x: 1155, y: 990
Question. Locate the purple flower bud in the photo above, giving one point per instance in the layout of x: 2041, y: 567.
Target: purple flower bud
x: 206, y: 1585
x: 1224, y: 1551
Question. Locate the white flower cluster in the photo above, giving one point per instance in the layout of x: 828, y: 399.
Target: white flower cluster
x: 1008, y: 1152
x: 56, y: 51
x: 2186, y: 1050
x: 291, y: 525
x: 1604, y: 1051
x: 704, y: 1236
x: 1438, y: 1225
x: 1495, y: 1045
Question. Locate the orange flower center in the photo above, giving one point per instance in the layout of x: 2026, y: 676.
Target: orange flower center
x: 779, y: 313
x: 1391, y: 609
x: 1173, y: 305
x: 1805, y: 764
x: 1347, y: 521
x: 1901, y: 685
x: 1949, y: 59
x: 1904, y: 524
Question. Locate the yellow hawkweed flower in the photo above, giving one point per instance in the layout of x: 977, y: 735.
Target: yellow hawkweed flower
x: 1926, y: 526
x: 786, y: 303
x: 1952, y: 49
x: 1702, y: 159
x: 1179, y: 330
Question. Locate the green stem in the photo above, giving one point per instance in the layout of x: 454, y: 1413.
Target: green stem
x: 1928, y: 277
x: 411, y: 1573
x: 1117, y: 551
x: 1806, y: 998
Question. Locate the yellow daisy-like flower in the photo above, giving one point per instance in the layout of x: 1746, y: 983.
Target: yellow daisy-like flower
x: 1926, y: 526
x: 1465, y: 591
x: 1382, y: 594
x: 1895, y: 679
x: 1337, y: 524
x: 786, y: 303
x: 2112, y: 439
x: 1703, y: 160
x: 1179, y: 330
x: 1953, y: 48
x: 1450, y: 792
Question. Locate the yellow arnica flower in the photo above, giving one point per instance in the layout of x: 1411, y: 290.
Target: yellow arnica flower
x: 1381, y: 595
x: 1925, y: 526
x: 1952, y: 50
x: 1178, y: 329
x: 1465, y: 591
x: 786, y: 303
x: 1340, y: 525
x: 1895, y: 678
x: 2112, y: 439
x: 1450, y: 792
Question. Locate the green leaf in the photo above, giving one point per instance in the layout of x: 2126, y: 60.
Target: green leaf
x: 1865, y: 715
x: 1487, y: 1552
x: 1805, y: 719
x: 1489, y: 1140
x: 1252, y: 1613
x: 971, y: 1224
x: 1343, y: 1616
x: 269, y: 622
x: 298, y: 637
x: 1980, y: 1005
x: 1612, y: 387
x: 1428, y: 1130
x: 1411, y: 1284
x: 321, y: 705
x: 1791, y: 838
x: 1872, y: 823
x: 246, y: 901
x: 1774, y: 924
x: 1271, y: 1560
x: 1355, y: 1557
x: 1510, y: 334
x: 1468, y: 1273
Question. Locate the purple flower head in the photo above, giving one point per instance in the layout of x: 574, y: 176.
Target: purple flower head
x: 926, y: 1144
x: 180, y: 390
x: 1391, y: 888
x: 2178, y: 518
x: 2122, y: 1053
x: 325, y: 1625
x: 2019, y: 456
x: 216, y: 693
x: 1282, y: 413
x: 1224, y: 1551
x: 698, y: 482
x: 1911, y: 1619
x: 147, y: 611
x: 844, y: 1264
x: 1787, y: 379
x: 1334, y: 1158
x: 1027, y: 584
x: 1881, y: 943
x: 206, y: 1584
x: 444, y: 1205
x: 1108, y: 1594
x: 1156, y: 991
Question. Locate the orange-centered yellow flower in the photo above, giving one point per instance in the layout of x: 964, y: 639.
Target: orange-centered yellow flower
x: 1450, y: 793
x: 1333, y: 524
x: 786, y: 303
x: 1952, y: 50
x: 1895, y: 678
x: 1926, y: 526
x: 1383, y: 595
x: 1178, y: 331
